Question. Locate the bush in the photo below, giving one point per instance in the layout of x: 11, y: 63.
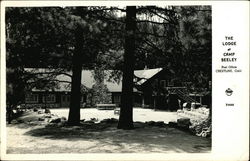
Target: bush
x: 202, y: 128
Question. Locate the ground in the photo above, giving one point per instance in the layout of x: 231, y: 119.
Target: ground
x: 103, y: 137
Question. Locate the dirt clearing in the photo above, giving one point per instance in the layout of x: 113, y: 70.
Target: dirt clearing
x: 23, y: 138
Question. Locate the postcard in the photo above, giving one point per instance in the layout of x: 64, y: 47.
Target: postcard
x: 124, y: 80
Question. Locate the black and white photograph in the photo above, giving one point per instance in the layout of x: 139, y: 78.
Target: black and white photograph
x: 110, y: 79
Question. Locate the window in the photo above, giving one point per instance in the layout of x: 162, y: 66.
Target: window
x: 117, y: 99
x: 50, y: 98
x: 163, y: 83
x: 65, y: 98
x: 31, y: 98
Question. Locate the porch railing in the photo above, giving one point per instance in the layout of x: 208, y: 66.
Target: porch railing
x: 182, y: 92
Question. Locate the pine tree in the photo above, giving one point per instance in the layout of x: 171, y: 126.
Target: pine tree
x: 126, y: 114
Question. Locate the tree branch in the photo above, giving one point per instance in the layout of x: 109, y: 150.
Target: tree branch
x: 110, y: 9
x: 154, y: 22
x: 53, y: 80
x: 152, y: 34
x: 150, y: 10
x: 155, y: 8
x: 58, y: 73
x: 152, y: 45
x: 60, y: 81
x: 109, y: 19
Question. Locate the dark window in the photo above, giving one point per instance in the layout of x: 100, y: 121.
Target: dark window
x: 50, y: 98
x: 31, y: 98
x: 117, y: 98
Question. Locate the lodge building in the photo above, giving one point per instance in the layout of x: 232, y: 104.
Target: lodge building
x: 153, y: 88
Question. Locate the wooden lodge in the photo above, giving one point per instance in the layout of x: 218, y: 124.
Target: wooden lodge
x: 154, y: 88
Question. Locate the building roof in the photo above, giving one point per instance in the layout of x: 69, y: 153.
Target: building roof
x: 88, y: 79
x: 144, y: 75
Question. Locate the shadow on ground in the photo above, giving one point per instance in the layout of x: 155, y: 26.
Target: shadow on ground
x: 30, y: 134
x: 103, y: 137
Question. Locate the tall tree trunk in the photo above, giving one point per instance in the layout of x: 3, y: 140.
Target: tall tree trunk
x: 126, y: 113
x: 74, y: 111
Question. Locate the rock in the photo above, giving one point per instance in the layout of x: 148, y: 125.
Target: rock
x: 150, y: 123
x: 94, y: 119
x: 89, y: 122
x: 47, y: 116
x: 41, y: 119
x: 183, y: 122
x: 114, y: 120
x: 64, y: 118
x: 180, y: 111
x: 20, y: 121
x: 109, y: 121
x: 138, y: 124
x: 35, y: 109
x: 47, y: 110
x: 104, y: 121
x: 61, y: 124
x: 159, y: 124
x: 57, y: 120
x: 172, y: 124
x: 39, y: 112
